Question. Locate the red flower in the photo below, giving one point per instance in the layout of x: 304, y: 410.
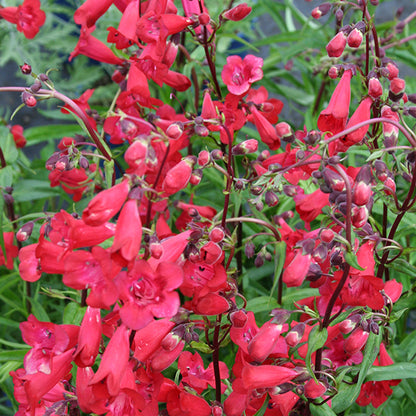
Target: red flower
x: 267, y: 132
x: 239, y: 74
x: 264, y: 376
x: 28, y: 17
x: 73, y: 182
x: 90, y: 11
x: 334, y: 117
x: 90, y: 46
x: 17, y: 132
x: 6, y: 259
x: 178, y: 177
x: 238, y: 12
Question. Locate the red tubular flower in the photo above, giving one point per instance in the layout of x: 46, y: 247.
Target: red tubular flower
x: 90, y: 46
x: 362, y: 113
x: 314, y: 389
x: 239, y: 74
x: 6, y: 259
x: 128, y: 236
x: 90, y: 11
x: 106, y: 204
x: 27, y: 17
x: 89, y: 338
x: 264, y: 376
x: 263, y: 343
x: 114, y: 361
x: 238, y: 12
x: 334, y: 117
x: 296, y: 270
x: 267, y: 132
x: 337, y: 45
x: 178, y: 177
x: 17, y: 132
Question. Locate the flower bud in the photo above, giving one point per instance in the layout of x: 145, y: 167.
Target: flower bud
x: 271, y: 199
x: 336, y: 45
x: 83, y: 162
x: 178, y: 177
x: 237, y: 13
x: 204, y: 19
x: 28, y: 99
x: 314, y: 389
x: 397, y: 87
x: 217, y: 154
x: 26, y: 69
x: 238, y: 318
x: 204, y: 158
x: 25, y: 231
x: 246, y: 147
x: 359, y: 216
x: 355, y: 341
x: 175, y: 130
x: 259, y: 261
x: 389, y: 186
x: 196, y: 177
x: 355, y: 38
x: 217, y: 234
x: 156, y: 250
x: 284, y: 132
x: 321, y: 10
x: 294, y: 336
x: 361, y: 193
x: 201, y: 130
x: 375, y: 89
x: 36, y: 86
x: 326, y: 235
x: 43, y: 77
x: 333, y: 72
x: 350, y: 323
x: 393, y: 71
x: 249, y: 249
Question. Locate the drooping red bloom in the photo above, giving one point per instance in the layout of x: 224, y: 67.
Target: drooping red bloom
x: 267, y: 132
x: 6, y: 259
x: 239, y: 74
x: 310, y: 206
x: 90, y: 11
x: 296, y: 268
x: 334, y: 118
x: 106, y: 204
x: 27, y: 17
x: 90, y: 46
x: 177, y: 177
x: 17, y: 132
x: 74, y: 181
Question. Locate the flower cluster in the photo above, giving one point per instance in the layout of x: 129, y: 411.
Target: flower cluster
x: 170, y: 204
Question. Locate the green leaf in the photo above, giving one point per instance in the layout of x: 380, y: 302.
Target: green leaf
x: 347, y: 394
x: 316, y: 340
x: 261, y: 304
x: 13, y: 355
x: 351, y: 259
x: 396, y: 371
x: 201, y: 346
x: 73, y: 313
x: 375, y: 155
x: 279, y: 261
x: 321, y: 410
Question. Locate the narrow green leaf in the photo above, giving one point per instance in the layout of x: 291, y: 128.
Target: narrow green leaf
x: 262, y: 409
x: 316, y: 340
x: 396, y: 371
x: 13, y: 355
x: 279, y: 261
x: 73, y: 313
x: 261, y: 304
x: 321, y: 410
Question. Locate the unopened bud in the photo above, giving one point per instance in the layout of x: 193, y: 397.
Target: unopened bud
x: 336, y: 45
x: 217, y: 234
x: 259, y: 261
x: 36, y: 86
x: 204, y: 19
x: 393, y: 70
x: 375, y: 89
x: 201, y: 130
x: 249, y: 249
x: 397, y: 87
x: 156, y: 250
x: 333, y: 72
x: 294, y: 336
x: 175, y: 130
x: 321, y: 10
x: 326, y: 235
x: 237, y: 13
x: 43, y: 77
x: 196, y: 177
x: 284, y: 132
x: 271, y: 199
x: 355, y: 38
x: 204, y: 158
x: 246, y: 147
x: 26, y: 69
x: 25, y: 232
x: 314, y: 389
x: 217, y: 154
x: 238, y: 318
x: 28, y: 99
x: 83, y: 162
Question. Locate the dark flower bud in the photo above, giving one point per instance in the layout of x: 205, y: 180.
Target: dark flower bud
x: 259, y: 206
x: 83, y: 162
x: 333, y: 72
x: 175, y: 130
x: 249, y: 249
x: 50, y: 163
x: 271, y: 199
x: 397, y: 88
x: 320, y: 253
x: 256, y: 190
x: 8, y: 199
x: 280, y: 316
x: 36, y: 86
x: 201, y: 130
x: 196, y: 177
x: 239, y: 185
x: 26, y: 69
x: 289, y: 190
x: 300, y: 154
x: 284, y: 132
x: 246, y: 147
x: 259, y: 261
x: 217, y: 154
x: 312, y: 137
x: 339, y: 15
x: 294, y: 336
x: 336, y: 258
x: 8, y: 189
x: 43, y: 77
x: 334, y: 160
x: 412, y: 98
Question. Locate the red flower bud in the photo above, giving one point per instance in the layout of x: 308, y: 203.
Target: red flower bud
x: 238, y: 318
x: 216, y: 235
x: 178, y: 177
x: 271, y: 199
x: 314, y: 389
x: 204, y: 19
x: 175, y: 130
x: 26, y: 69
x: 397, y: 87
x: 17, y: 133
x: 246, y: 147
x: 156, y: 250
x: 294, y: 336
x: 196, y: 177
x: 375, y: 89
x: 361, y: 193
x: 336, y: 45
x: 355, y: 38
x: 326, y: 235
x: 204, y: 158
x: 349, y: 324
x: 389, y: 186
x: 28, y: 99
x: 355, y: 341
x: 321, y: 10
x: 25, y: 232
x: 333, y: 72
x: 393, y: 70
x: 359, y: 216
x: 238, y: 12
x: 284, y: 132
x: 265, y: 376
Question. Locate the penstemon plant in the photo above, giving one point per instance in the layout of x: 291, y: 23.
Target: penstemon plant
x: 182, y: 251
